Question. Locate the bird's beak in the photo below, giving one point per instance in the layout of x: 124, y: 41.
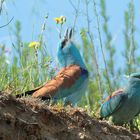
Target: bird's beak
x: 67, y: 36
x: 70, y: 33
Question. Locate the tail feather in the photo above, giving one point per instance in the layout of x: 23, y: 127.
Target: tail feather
x: 26, y: 93
x: 30, y: 92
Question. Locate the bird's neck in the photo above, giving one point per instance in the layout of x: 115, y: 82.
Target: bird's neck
x: 71, y: 61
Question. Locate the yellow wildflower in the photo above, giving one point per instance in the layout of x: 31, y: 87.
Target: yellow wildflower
x: 57, y: 20
x: 34, y: 44
x: 60, y: 20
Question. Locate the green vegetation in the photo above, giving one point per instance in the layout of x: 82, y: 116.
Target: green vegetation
x: 27, y: 66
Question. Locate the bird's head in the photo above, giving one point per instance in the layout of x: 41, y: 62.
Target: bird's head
x: 134, y: 79
x: 133, y: 83
x: 67, y: 53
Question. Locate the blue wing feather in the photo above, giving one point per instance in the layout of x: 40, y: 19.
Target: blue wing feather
x: 111, y: 105
x: 77, y: 91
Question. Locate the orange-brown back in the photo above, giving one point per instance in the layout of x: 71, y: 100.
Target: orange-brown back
x: 65, y: 78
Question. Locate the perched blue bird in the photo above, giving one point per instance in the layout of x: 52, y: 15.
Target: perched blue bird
x: 71, y: 81
x: 123, y: 105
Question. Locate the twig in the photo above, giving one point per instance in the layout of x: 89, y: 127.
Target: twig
x: 94, y: 55
x: 132, y: 44
x: 1, y: 4
x: 108, y: 36
x: 101, y: 45
x: 28, y: 123
x: 76, y: 11
x: 7, y: 23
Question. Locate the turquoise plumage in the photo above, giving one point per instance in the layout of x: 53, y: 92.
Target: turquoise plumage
x: 123, y: 105
x: 71, y: 81
x: 68, y: 54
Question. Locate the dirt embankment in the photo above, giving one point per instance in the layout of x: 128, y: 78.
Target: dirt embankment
x: 31, y: 119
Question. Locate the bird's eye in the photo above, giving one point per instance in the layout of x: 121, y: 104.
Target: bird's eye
x: 63, y: 43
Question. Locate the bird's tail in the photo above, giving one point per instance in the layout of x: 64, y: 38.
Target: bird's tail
x: 30, y: 92
x: 26, y: 93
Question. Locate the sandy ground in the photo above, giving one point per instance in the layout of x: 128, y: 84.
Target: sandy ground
x: 32, y: 119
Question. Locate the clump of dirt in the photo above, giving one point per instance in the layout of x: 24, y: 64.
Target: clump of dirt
x: 32, y: 119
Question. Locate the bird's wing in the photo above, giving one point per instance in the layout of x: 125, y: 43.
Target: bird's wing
x: 112, y: 103
x: 61, y: 83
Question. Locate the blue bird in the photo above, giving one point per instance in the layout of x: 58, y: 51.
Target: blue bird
x: 124, y: 104
x: 71, y: 81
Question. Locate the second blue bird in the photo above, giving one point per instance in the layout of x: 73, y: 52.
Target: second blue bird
x: 123, y: 105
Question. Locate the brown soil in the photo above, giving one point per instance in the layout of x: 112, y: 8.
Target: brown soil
x: 31, y: 119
